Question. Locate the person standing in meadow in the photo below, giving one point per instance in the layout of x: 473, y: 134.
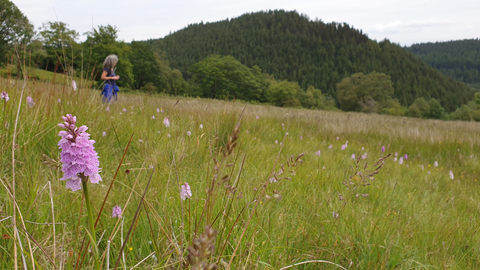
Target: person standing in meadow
x: 110, y: 88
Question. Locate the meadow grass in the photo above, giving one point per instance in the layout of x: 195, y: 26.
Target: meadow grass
x: 272, y: 201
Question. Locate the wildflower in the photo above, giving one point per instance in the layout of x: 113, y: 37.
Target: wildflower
x: 59, y: 100
x: 79, y: 158
x: 74, y: 85
x: 272, y: 180
x: 168, y: 135
x: 335, y: 215
x: 344, y: 146
x: 277, y: 195
x: 396, y: 154
x: 158, y: 110
x: 405, y: 156
x: 166, y: 122
x: 185, y: 191
x: 364, y: 156
x: 395, y: 159
x: 338, y: 138
x: 257, y: 117
x: 317, y: 153
x: 363, y: 148
x: 124, y: 110
x: 140, y: 140
x: 330, y: 146
x: 451, y: 174
x: 30, y: 101
x: 107, y: 109
x: 428, y: 172
x: 153, y: 117
x: 4, y: 96
x: 283, y: 124
x: 383, y: 149
x: 189, y: 133
x: 104, y: 134
x: 201, y: 127
x: 353, y: 156
x: 161, y: 110
x: 286, y: 134
x: 435, y: 163
x: 276, y: 141
x: 301, y: 137
x: 117, y: 212
x: 400, y: 161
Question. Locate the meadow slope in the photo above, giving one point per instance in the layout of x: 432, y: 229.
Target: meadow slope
x: 275, y: 207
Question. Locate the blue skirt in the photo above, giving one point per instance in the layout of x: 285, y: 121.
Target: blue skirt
x: 108, y: 92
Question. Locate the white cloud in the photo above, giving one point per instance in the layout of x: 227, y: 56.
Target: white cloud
x: 413, y: 25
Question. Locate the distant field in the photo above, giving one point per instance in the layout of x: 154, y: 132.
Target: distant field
x: 411, y: 216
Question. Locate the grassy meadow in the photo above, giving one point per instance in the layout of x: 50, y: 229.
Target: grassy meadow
x: 282, y: 193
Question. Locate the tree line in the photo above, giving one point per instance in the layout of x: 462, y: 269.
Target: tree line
x: 459, y: 59
x: 292, y: 47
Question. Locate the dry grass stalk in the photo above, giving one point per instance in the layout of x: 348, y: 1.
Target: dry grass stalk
x: 202, y: 248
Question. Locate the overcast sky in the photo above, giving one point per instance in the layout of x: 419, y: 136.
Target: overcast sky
x: 404, y: 22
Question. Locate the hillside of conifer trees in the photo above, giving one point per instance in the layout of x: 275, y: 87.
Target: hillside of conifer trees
x: 459, y: 59
x: 292, y: 47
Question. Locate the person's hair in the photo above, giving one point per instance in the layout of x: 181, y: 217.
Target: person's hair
x: 110, y: 61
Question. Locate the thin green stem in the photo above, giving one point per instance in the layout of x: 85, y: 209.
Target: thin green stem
x: 90, y: 223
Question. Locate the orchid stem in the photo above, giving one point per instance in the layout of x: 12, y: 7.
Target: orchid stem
x: 90, y: 222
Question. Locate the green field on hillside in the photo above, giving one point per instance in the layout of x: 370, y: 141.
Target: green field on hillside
x: 278, y: 191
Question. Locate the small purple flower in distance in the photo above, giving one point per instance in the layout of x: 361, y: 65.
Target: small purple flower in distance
x: 276, y: 141
x: 124, y: 110
x: 451, y: 174
x: 4, y: 96
x: 104, y: 133
x: 301, y: 137
x: 338, y: 138
x: 257, y: 117
x: 116, y: 212
x: 383, y: 149
x: 364, y: 156
x: 201, y: 127
x: 30, y: 101
x: 59, y: 100
x: 344, y: 146
x: 166, y: 122
x: 435, y: 163
x: 405, y: 156
x: 158, y: 110
x: 189, y: 133
x: 107, y: 109
x: 353, y: 156
x: 395, y: 159
x: 396, y: 154
x: 318, y: 153
x: 185, y: 191
x: 74, y: 85
x: 283, y: 124
x: 330, y: 146
x: 153, y: 117
x: 400, y: 161
x: 79, y: 158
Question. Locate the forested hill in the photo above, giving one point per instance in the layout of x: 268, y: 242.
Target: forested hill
x: 290, y: 46
x: 458, y: 59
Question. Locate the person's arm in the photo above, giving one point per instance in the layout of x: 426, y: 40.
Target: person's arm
x: 104, y: 76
